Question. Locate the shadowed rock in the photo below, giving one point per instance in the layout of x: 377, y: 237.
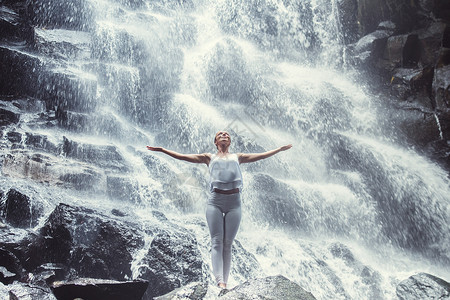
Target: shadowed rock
x: 193, y: 291
x: 274, y: 287
x: 423, y: 286
x: 20, y: 211
x: 99, y: 289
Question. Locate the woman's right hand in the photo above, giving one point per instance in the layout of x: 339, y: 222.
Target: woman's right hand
x: 159, y: 149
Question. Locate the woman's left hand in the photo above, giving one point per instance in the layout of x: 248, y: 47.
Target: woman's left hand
x: 287, y: 147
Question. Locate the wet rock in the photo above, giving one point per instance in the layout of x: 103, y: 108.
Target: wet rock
x: 402, y: 51
x: 348, y: 17
x: 245, y: 265
x: 276, y: 207
x: 371, y: 279
x: 173, y: 260
x: 441, y: 88
x: 14, y: 28
x: 226, y: 72
x: 20, y: 210
x: 66, y: 90
x: 122, y: 188
x: 14, y: 137
x: 73, y: 121
x: 40, y: 142
x: 439, y: 150
x: 273, y: 287
x: 99, y: 289
x: 193, y: 291
x: 430, y: 40
x: 46, y: 274
x: 77, y: 14
x: 86, y: 180
x: 411, y: 82
x: 415, y: 123
x: 8, y: 117
x: 401, y: 12
x: 19, y: 72
x: 101, y: 155
x: 370, y: 47
x: 20, y: 291
x: 423, y: 286
x: 10, y: 268
x: 442, y: 9
x: 89, y: 243
x: 22, y: 164
x: 62, y: 44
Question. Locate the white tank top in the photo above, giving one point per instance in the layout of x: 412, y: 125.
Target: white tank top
x: 225, y: 173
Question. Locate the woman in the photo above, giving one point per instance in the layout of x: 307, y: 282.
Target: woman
x: 223, y: 212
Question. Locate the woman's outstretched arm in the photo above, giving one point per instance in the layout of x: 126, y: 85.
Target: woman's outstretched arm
x: 203, y: 158
x: 252, y: 157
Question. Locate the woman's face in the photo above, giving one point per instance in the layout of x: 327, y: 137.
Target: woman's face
x: 222, y: 137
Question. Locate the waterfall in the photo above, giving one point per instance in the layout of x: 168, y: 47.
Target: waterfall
x: 270, y: 72
x: 347, y: 213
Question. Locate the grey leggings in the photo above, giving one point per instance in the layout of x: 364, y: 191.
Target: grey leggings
x: 223, y: 214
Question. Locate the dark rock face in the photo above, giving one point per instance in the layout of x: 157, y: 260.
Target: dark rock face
x: 8, y: 117
x: 86, y: 288
x: 19, y: 72
x: 403, y: 48
x: 28, y: 291
x: 20, y: 211
x: 275, y: 287
x: 79, y: 242
x: 193, y: 291
x: 10, y: 268
x: 423, y: 286
x: 172, y: 261
x: 87, y: 242
x: 74, y: 15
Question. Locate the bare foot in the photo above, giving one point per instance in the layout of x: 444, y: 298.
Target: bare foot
x: 222, y: 285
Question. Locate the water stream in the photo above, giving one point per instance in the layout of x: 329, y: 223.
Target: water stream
x: 347, y: 213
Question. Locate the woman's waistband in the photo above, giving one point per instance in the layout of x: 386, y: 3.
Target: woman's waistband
x: 226, y: 192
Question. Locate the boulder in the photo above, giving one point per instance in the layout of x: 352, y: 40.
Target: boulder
x: 8, y: 117
x: 193, y: 291
x: 14, y: 137
x: 413, y: 82
x: 402, y: 51
x: 423, y: 286
x: 99, y: 289
x: 22, y: 291
x: 87, y: 242
x: 20, y: 210
x: 368, y: 49
x: 273, y: 287
x: 10, y: 268
x: 173, y: 260
x: 278, y: 205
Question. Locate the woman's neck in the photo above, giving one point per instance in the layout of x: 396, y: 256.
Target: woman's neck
x: 222, y: 151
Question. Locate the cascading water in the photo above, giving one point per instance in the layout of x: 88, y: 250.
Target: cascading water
x: 347, y: 213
